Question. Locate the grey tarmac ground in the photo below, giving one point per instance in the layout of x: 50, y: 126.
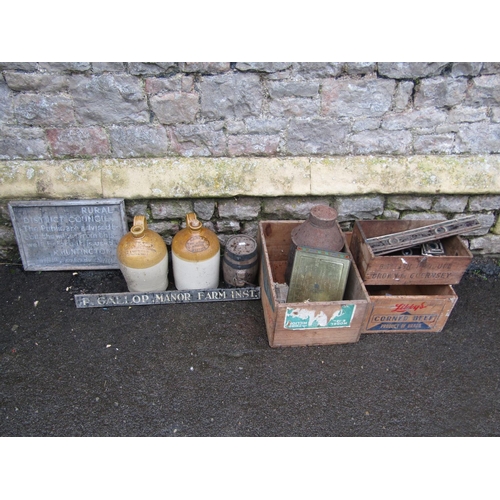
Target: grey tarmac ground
x: 206, y: 369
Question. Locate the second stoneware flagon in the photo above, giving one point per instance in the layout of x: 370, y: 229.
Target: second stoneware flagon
x: 195, y: 256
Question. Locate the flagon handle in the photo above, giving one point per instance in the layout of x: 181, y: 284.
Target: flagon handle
x: 139, y: 227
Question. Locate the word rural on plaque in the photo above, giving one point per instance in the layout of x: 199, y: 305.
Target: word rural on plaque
x: 69, y: 234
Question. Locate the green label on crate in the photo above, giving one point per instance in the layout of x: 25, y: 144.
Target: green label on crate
x: 335, y: 316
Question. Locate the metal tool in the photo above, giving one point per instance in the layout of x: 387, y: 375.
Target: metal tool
x: 388, y: 243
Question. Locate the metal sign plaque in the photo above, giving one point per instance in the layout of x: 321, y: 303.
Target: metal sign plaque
x: 166, y: 298
x: 69, y: 234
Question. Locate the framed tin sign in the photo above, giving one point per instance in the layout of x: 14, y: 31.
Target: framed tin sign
x: 318, y: 275
x: 68, y: 234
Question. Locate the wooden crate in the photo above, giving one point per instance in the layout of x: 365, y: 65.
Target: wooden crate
x: 407, y: 269
x: 305, y: 323
x: 409, y: 308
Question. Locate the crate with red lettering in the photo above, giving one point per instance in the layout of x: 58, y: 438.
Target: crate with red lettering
x: 401, y: 269
x: 408, y: 308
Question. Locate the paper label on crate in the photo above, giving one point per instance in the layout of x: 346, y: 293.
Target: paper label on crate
x: 302, y: 318
x: 412, y: 316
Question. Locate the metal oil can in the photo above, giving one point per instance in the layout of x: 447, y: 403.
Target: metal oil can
x: 195, y: 256
x: 320, y: 231
x: 143, y: 258
x: 240, y: 262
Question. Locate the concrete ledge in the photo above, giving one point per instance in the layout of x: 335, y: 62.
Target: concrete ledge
x: 226, y: 177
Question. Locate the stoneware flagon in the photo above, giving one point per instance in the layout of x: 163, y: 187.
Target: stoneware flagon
x: 143, y: 258
x: 195, y: 256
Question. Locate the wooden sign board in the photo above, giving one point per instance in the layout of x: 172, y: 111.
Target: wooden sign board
x: 68, y: 234
x: 166, y: 298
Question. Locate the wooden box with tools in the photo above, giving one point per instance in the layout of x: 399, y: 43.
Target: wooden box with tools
x: 404, y: 268
x: 305, y: 323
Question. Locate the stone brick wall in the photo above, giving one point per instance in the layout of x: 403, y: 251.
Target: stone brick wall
x: 132, y: 110
x: 55, y: 113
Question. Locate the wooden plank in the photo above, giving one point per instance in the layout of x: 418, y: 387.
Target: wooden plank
x: 168, y: 297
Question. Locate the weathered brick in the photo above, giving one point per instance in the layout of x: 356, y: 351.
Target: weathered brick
x: 37, y: 82
x: 243, y: 208
x: 490, y: 68
x: 250, y: 228
x: 175, y: 108
x: 256, y: 126
x: 440, y: 92
x: 65, y: 67
x: 259, y: 145
x: 430, y: 216
x: 359, y: 207
x: 227, y: 226
x: 478, y: 137
x: 402, y: 95
x: 176, y: 83
x: 411, y: 70
x: 138, y: 141
x: 469, y: 114
x: 290, y: 207
x: 45, y: 110
x: 381, y: 142
x: 489, y: 244
x: 199, y: 140
x: 77, y: 142
x: 427, y: 119
x: 205, y: 68
x: 231, y: 96
x: 434, y: 144
x: 294, y: 107
x: 7, y: 236
x: 453, y: 204
x: 264, y: 67
x: 360, y: 68
x: 23, y: 143
x: 133, y: 208
x: 466, y: 68
x: 18, y: 66
x: 361, y: 124
x: 368, y: 97
x: 318, y: 69
x: 174, y: 209
x: 152, y: 68
x: 6, y: 104
x: 409, y: 202
x: 204, y: 209
x: 485, y: 91
x: 164, y: 228
x: 109, y: 98
x: 317, y: 136
x: 305, y: 88
x: 486, y: 202
x: 111, y: 67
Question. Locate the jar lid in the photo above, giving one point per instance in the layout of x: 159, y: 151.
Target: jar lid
x: 323, y: 216
x: 241, y: 247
